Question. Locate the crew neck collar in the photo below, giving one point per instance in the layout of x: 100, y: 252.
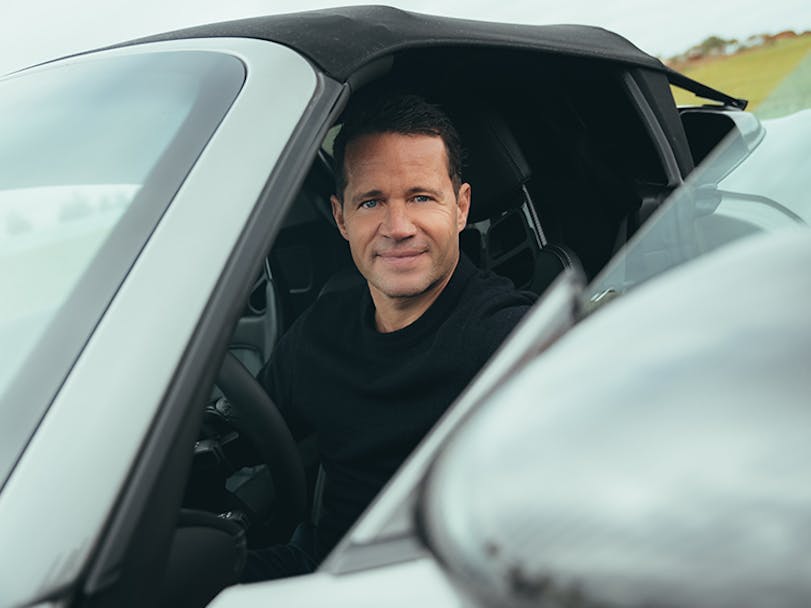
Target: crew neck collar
x: 431, y: 318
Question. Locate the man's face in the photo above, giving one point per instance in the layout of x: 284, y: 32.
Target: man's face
x: 400, y: 213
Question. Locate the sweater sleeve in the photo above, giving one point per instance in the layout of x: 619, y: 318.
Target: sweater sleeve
x: 278, y: 378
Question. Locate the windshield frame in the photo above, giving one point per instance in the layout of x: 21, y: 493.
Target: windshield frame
x: 33, y: 388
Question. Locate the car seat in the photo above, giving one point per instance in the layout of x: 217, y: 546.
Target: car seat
x: 504, y: 233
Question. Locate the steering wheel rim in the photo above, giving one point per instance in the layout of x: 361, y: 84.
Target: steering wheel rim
x: 258, y: 419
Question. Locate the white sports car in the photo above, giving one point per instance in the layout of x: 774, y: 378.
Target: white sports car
x: 642, y: 439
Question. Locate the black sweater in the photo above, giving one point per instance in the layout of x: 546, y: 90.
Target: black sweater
x: 370, y: 397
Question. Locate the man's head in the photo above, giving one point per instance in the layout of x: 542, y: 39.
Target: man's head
x: 401, y: 203
x: 403, y: 114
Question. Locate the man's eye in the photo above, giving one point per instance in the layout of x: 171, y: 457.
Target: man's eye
x: 422, y: 198
x: 369, y: 204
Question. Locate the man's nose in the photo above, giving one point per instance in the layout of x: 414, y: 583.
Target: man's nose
x: 397, y: 223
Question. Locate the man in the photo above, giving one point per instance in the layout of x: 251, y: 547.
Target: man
x: 371, y: 368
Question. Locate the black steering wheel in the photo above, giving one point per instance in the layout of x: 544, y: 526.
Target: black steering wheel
x: 257, y: 419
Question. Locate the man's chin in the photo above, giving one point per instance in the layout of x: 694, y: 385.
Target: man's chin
x: 403, y: 293
x: 401, y: 287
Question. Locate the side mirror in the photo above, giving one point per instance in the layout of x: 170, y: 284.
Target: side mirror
x: 707, y: 127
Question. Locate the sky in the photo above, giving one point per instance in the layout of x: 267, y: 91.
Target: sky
x: 32, y: 31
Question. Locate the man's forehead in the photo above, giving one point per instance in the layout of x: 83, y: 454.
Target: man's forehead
x: 408, y: 163
x: 394, y: 140
x: 378, y: 162
x: 393, y: 151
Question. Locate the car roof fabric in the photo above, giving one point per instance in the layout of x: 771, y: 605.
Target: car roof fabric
x: 343, y: 40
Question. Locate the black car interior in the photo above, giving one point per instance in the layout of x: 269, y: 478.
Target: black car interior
x: 564, y: 166
x: 563, y: 169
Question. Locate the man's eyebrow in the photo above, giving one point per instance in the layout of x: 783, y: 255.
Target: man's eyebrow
x: 367, y: 195
x: 423, y: 190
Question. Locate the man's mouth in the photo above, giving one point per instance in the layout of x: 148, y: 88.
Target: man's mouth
x: 401, y: 253
x: 401, y: 257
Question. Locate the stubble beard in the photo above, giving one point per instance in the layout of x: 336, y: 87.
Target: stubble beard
x: 411, y: 289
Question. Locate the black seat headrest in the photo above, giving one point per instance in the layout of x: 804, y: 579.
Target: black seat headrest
x: 496, y: 168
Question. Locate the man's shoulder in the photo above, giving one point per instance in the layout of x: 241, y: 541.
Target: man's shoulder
x: 489, y: 309
x: 338, y: 305
x: 487, y: 292
x: 322, y: 330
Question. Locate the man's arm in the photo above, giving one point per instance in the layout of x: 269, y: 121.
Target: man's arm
x: 278, y: 378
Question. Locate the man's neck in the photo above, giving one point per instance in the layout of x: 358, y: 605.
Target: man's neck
x: 393, y: 314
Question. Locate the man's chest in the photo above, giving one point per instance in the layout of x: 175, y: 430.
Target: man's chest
x: 351, y: 393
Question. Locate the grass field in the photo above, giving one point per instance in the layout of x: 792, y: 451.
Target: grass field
x: 752, y: 74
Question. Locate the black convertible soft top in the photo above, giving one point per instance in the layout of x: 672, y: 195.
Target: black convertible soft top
x: 341, y: 41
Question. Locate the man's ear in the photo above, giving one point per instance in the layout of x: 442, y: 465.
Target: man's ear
x: 463, y: 204
x: 338, y: 214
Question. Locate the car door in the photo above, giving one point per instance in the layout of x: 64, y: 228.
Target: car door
x: 90, y: 502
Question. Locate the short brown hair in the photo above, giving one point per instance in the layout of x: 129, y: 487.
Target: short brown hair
x: 405, y: 114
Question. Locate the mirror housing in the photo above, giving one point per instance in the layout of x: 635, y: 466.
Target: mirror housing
x: 707, y: 127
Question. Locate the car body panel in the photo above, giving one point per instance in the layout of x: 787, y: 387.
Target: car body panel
x: 143, y: 334
x: 783, y: 156
x: 650, y: 461
x: 413, y: 583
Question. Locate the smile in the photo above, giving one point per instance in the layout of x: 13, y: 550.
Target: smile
x: 400, y: 258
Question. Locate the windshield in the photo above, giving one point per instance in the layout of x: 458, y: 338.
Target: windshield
x: 737, y: 192
x: 92, y: 152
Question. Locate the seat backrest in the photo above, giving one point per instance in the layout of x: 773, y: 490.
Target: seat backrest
x: 504, y: 233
